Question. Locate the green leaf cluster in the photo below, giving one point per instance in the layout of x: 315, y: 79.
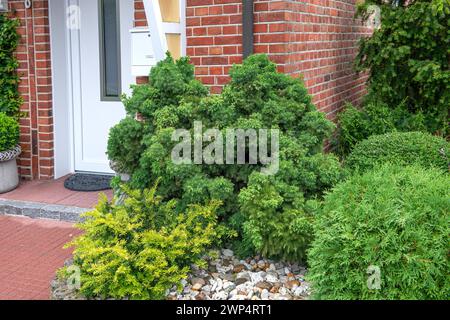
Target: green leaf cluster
x: 374, y: 118
x: 10, y: 100
x: 408, y: 59
x: 9, y: 132
x: 395, y: 218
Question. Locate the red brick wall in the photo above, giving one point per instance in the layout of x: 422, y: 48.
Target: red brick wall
x: 214, y: 39
x: 321, y: 44
x: 33, y: 53
x: 214, y: 36
x: 315, y: 39
x: 139, y: 14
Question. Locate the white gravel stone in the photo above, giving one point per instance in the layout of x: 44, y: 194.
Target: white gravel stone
x: 229, y: 286
x: 222, y: 295
x: 265, y: 294
x: 207, y: 289
x: 271, y: 278
x: 228, y: 278
x: 244, y: 275
x: 256, y: 277
x: 283, y: 291
x: 228, y: 253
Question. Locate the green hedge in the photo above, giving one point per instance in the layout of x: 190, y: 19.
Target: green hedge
x: 390, y: 225
x: 408, y: 59
x: 400, y: 148
x: 373, y: 118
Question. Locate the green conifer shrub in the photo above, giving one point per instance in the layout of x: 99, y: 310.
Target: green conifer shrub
x: 384, y: 235
x: 142, y: 248
x: 257, y: 97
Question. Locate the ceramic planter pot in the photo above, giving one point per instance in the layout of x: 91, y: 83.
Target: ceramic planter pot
x: 124, y: 177
x: 9, y: 177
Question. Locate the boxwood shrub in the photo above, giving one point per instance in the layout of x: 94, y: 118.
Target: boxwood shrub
x: 373, y: 118
x: 400, y: 148
x: 389, y: 225
x: 9, y: 132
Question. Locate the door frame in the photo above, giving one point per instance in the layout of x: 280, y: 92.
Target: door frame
x: 67, y: 86
x: 67, y: 92
x: 61, y: 89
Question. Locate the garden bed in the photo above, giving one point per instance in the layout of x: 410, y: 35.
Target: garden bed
x: 228, y: 278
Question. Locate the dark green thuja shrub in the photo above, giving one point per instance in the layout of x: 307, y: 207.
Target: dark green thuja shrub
x: 10, y: 100
x: 408, y: 59
x: 384, y: 235
x: 9, y: 132
x: 400, y: 148
x: 142, y: 248
x: 258, y: 97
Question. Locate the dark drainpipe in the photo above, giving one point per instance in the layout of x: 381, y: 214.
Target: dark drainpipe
x: 247, y: 28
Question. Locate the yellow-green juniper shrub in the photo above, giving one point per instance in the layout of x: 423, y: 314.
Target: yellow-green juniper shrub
x: 142, y: 248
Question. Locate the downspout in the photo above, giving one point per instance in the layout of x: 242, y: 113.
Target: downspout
x: 247, y: 28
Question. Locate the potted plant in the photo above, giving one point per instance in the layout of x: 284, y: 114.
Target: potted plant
x: 9, y: 151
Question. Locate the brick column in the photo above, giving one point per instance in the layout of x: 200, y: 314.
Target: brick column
x: 33, y: 53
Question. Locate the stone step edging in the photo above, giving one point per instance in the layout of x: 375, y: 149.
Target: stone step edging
x: 37, y: 210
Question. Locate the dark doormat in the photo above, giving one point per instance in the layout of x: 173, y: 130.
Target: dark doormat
x: 88, y: 182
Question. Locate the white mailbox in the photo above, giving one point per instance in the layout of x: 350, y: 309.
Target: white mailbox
x: 142, y: 52
x: 3, y: 5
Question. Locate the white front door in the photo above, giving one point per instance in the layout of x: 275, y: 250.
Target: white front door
x: 100, y: 63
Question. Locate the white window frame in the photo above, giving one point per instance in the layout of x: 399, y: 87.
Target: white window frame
x: 158, y: 29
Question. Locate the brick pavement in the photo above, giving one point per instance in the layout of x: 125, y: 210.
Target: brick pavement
x: 30, y: 253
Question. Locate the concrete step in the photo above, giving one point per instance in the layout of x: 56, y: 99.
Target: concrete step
x: 38, y: 210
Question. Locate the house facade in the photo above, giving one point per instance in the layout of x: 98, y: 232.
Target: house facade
x: 77, y: 57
